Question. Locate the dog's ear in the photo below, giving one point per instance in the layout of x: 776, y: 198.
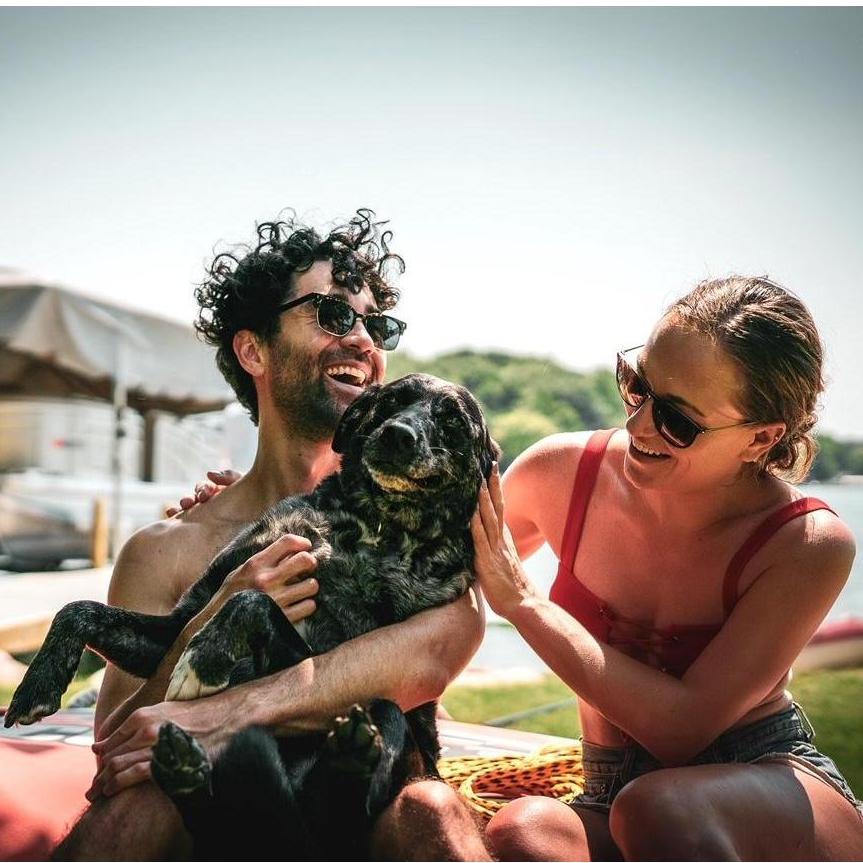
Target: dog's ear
x: 353, y: 418
x: 489, y: 451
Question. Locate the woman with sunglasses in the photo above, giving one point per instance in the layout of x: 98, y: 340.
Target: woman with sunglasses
x: 691, y: 576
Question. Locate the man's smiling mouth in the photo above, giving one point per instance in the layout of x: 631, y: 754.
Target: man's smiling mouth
x: 347, y: 374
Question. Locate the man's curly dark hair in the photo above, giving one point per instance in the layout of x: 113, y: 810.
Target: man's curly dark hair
x: 245, y: 287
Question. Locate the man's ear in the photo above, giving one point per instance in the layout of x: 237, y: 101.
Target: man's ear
x: 763, y: 439
x: 249, y: 353
x: 354, y: 417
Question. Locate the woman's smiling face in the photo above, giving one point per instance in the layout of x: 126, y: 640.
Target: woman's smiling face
x: 694, y: 373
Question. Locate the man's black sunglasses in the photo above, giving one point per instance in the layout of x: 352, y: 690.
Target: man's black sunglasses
x: 337, y: 317
x: 674, y: 425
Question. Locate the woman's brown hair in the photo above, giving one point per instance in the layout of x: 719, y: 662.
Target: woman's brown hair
x: 771, y: 335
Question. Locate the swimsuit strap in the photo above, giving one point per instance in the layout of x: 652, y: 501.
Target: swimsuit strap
x: 582, y: 488
x: 758, y: 538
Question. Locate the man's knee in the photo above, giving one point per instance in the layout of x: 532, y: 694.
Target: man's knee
x: 427, y: 821
x: 512, y: 829
x: 536, y: 828
x: 138, y: 823
x: 661, y: 816
x: 429, y: 800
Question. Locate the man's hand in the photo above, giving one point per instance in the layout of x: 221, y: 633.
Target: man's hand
x: 281, y: 570
x: 124, y: 757
x: 209, y: 488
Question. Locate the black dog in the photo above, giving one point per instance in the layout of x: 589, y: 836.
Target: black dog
x: 391, y: 534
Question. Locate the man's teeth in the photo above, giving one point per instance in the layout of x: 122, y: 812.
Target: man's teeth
x: 645, y: 450
x: 348, y: 371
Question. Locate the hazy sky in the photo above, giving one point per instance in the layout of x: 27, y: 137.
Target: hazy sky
x: 553, y: 177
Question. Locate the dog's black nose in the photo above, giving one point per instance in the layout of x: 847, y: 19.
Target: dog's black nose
x: 399, y: 438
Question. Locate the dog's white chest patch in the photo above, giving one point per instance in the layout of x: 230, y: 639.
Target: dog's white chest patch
x: 302, y: 628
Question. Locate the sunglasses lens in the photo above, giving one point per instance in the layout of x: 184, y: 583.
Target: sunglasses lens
x: 384, y: 330
x: 335, y: 316
x: 673, y: 425
x: 629, y: 384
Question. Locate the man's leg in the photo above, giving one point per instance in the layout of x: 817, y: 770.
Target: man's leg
x: 139, y: 823
x: 427, y: 821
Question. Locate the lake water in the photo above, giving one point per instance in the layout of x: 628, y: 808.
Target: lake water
x: 503, y: 647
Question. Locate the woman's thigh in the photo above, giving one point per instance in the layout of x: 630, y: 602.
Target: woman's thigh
x: 768, y: 811
x: 541, y: 828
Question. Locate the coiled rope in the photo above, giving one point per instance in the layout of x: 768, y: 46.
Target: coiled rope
x: 489, y: 783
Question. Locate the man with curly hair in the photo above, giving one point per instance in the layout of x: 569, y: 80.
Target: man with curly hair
x: 296, y: 361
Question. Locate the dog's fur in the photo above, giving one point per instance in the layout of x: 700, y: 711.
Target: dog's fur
x: 391, y: 535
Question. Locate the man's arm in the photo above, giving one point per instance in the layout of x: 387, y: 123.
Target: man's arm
x: 410, y: 663
x: 151, y: 572
x: 145, y: 580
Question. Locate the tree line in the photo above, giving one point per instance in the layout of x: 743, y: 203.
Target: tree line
x: 528, y: 398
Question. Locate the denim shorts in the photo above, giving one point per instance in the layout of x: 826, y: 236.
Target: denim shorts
x: 786, y: 736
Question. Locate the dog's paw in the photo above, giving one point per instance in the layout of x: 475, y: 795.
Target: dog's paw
x: 180, y: 765
x: 354, y: 744
x: 185, y: 684
x: 31, y: 702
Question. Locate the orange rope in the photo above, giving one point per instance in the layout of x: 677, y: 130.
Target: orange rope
x: 488, y: 783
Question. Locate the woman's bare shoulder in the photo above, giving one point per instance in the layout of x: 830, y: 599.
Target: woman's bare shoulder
x: 554, y: 448
x: 554, y: 455
x: 815, y: 550
x: 546, y: 470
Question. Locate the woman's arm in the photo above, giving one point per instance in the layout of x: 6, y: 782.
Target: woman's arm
x: 675, y: 719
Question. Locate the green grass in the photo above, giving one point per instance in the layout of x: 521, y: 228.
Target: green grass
x: 833, y: 701
x: 89, y: 664
x: 75, y: 687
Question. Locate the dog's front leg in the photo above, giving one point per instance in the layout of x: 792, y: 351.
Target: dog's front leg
x: 134, y: 642
x: 250, y: 628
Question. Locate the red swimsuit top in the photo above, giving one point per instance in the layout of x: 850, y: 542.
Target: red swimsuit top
x: 671, y: 648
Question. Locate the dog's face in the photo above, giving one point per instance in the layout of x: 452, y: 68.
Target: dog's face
x: 418, y: 440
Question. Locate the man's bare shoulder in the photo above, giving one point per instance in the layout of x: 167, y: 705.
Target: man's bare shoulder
x: 160, y: 561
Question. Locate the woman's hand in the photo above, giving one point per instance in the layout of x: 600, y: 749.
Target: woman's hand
x: 497, y: 565
x: 283, y: 571
x: 209, y: 488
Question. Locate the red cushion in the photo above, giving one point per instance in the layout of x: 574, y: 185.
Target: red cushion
x: 41, y: 793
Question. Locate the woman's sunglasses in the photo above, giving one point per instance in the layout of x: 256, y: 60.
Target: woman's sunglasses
x: 674, y: 425
x: 337, y: 318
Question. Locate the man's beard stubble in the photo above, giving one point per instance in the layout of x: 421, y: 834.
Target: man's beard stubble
x: 302, y: 398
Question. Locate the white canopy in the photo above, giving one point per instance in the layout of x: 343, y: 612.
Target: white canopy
x: 58, y: 343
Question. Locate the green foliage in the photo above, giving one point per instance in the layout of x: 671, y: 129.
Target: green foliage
x: 517, y: 429
x: 525, y: 398
x: 836, y: 458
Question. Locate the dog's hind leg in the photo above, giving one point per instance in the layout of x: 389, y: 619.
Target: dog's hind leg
x: 182, y: 769
x: 365, y: 761
x: 135, y: 642
x: 256, y: 814
x: 250, y: 626
x: 423, y: 724
x: 402, y: 759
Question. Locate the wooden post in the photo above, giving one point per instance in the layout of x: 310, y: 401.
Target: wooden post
x: 99, y: 533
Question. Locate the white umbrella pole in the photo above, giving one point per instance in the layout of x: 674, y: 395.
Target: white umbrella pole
x: 117, y: 445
